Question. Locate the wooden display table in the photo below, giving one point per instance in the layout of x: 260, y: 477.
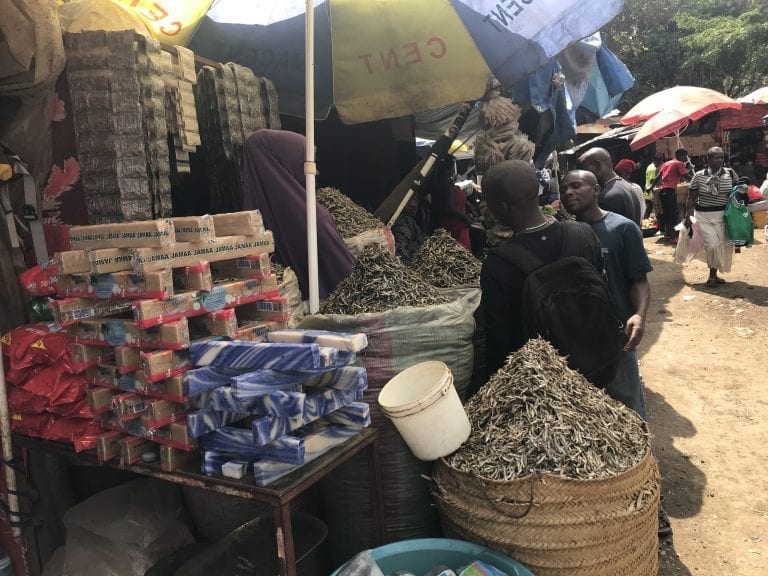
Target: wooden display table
x: 278, y: 495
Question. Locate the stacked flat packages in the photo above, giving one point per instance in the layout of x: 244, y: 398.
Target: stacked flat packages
x: 135, y: 296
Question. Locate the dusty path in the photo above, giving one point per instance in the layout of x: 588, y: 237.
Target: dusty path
x: 704, y: 362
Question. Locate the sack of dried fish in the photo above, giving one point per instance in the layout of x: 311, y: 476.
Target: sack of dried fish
x: 379, y: 282
x: 398, y: 338
x: 445, y: 263
x: 555, y: 473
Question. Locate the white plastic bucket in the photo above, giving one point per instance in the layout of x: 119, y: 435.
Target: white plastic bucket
x: 425, y: 408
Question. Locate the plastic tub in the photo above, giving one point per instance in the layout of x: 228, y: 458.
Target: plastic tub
x: 425, y: 408
x: 422, y: 555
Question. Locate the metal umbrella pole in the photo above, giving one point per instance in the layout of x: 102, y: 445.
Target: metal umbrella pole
x: 310, y: 168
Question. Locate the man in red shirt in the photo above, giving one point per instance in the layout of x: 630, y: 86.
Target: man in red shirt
x: 669, y: 176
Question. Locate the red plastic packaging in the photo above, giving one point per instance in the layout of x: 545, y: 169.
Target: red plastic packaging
x: 40, y: 280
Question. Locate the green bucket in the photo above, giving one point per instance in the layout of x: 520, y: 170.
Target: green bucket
x: 422, y: 555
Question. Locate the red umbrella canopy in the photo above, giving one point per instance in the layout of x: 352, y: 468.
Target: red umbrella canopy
x: 691, y: 102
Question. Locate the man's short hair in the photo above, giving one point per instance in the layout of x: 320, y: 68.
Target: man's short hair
x: 681, y: 153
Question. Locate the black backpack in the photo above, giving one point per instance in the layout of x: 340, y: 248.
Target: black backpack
x: 567, y: 302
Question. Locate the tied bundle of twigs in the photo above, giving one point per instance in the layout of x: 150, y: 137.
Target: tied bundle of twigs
x: 445, y: 263
x: 350, y: 218
x: 501, y: 139
x: 380, y: 282
x: 536, y: 414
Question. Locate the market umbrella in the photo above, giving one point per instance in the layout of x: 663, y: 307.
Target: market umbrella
x: 391, y: 58
x: 669, y: 111
x: 759, y: 96
x: 388, y: 58
x: 693, y: 102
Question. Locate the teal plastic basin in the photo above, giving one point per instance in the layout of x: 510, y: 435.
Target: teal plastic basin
x: 422, y: 555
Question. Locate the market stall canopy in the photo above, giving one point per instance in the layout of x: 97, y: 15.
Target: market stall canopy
x: 692, y: 102
x: 619, y: 133
x: 669, y: 111
x: 391, y: 58
x: 759, y: 96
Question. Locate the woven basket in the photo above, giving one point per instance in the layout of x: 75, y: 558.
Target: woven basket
x: 558, y: 526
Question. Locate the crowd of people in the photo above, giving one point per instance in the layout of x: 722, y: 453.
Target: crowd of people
x: 590, y: 230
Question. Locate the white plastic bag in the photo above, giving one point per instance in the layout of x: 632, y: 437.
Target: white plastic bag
x: 688, y: 247
x: 123, y: 531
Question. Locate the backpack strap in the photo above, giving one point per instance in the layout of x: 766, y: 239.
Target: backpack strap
x: 573, y: 239
x: 520, y: 257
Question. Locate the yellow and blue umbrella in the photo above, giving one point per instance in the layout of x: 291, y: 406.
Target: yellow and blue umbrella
x: 379, y: 59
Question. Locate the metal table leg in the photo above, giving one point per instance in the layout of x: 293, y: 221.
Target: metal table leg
x: 286, y: 553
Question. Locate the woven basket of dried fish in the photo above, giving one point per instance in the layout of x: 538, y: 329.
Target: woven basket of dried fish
x: 555, y: 473
x: 445, y: 263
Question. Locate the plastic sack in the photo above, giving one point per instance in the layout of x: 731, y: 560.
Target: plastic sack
x: 738, y: 222
x: 380, y: 236
x: 758, y: 206
x: 362, y: 564
x: 397, y: 339
x: 690, y: 245
x: 753, y: 193
x: 40, y: 280
x: 123, y: 531
x: 682, y: 248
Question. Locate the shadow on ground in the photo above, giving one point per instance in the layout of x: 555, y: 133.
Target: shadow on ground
x: 683, y: 483
x: 757, y: 295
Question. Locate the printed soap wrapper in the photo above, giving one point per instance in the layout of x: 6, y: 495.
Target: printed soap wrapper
x: 340, y: 340
x: 194, y: 228
x: 82, y: 356
x: 257, y: 266
x: 117, y: 332
x: 317, y: 443
x: 110, y: 260
x: 73, y: 262
x: 72, y: 310
x: 172, y: 459
x: 256, y: 355
x: 149, y: 313
x: 190, y: 253
x: 255, y: 331
x: 147, y: 233
x: 162, y: 364
x: 246, y: 223
x: 220, y: 323
x: 194, y: 277
x: 157, y: 284
x: 127, y: 359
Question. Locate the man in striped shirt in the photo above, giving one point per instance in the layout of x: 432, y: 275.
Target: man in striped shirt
x: 707, y: 199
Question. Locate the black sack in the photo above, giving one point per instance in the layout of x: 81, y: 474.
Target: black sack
x: 567, y: 302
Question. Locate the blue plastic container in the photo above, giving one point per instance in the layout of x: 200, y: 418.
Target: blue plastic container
x: 422, y: 555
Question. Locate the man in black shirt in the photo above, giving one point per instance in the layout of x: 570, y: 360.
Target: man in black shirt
x: 616, y: 194
x: 511, y: 191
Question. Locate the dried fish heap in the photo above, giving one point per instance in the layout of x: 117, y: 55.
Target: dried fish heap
x: 351, y: 219
x: 555, y: 473
x: 380, y: 282
x: 445, y: 263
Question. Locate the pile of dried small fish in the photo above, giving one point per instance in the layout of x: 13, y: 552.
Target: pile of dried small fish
x: 350, y: 218
x: 380, y: 282
x: 537, y: 414
x: 445, y: 263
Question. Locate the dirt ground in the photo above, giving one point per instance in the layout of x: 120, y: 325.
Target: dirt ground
x: 702, y: 361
